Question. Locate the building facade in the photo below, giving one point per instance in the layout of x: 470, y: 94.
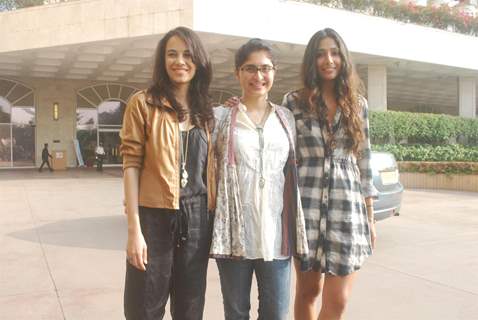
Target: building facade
x: 67, y: 69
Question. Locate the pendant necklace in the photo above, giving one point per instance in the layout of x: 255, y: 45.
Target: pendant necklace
x: 260, y: 131
x: 184, y: 158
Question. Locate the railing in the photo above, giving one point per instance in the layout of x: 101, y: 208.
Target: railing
x: 440, y: 17
x: 7, y: 5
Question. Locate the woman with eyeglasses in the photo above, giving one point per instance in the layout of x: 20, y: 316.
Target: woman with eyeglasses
x: 259, y: 222
x: 169, y: 183
x: 335, y: 176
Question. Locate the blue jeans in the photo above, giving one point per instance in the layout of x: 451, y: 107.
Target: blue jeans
x: 273, y: 282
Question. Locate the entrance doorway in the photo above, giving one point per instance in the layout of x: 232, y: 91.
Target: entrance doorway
x: 111, y: 143
x: 100, y: 113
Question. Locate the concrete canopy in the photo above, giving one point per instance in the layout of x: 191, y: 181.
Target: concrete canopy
x: 114, y: 41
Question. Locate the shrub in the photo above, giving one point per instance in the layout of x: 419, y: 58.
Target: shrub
x: 421, y: 128
x: 439, y: 167
x: 454, y: 152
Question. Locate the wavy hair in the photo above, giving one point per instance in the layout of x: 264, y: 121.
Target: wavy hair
x: 162, y: 87
x: 348, y: 86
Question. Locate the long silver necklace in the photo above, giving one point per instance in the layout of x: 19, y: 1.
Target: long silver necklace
x: 260, y: 132
x: 184, y: 159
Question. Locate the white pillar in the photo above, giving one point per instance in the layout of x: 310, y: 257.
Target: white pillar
x: 467, y: 97
x: 377, y: 87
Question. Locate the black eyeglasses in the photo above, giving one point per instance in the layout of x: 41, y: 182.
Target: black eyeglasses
x: 252, y: 68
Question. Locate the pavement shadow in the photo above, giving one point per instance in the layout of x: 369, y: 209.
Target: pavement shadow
x: 103, y: 233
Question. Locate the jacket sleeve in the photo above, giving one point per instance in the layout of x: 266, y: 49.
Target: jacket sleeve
x: 133, y: 133
x: 365, y: 156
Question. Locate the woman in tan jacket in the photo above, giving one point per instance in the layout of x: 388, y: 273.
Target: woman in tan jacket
x: 169, y: 182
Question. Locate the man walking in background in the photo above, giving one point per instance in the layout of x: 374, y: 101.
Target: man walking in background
x: 44, y: 157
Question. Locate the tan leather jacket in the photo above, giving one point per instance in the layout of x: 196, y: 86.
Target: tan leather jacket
x: 150, y: 142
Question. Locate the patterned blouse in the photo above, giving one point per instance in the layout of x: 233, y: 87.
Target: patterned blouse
x: 333, y: 185
x: 253, y: 222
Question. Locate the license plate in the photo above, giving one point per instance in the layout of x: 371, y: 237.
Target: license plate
x: 389, y: 177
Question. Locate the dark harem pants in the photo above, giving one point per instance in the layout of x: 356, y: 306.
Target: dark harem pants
x: 178, y: 248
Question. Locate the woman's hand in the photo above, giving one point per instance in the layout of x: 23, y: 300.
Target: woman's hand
x: 231, y: 102
x: 137, y: 253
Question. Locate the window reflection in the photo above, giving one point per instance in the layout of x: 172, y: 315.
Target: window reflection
x: 86, y: 118
x: 5, y: 146
x: 110, y: 113
x: 111, y: 142
x: 23, y: 136
x: 17, y: 125
x: 23, y: 116
x: 86, y: 133
x: 101, y: 124
x: 5, y: 110
x: 100, y: 120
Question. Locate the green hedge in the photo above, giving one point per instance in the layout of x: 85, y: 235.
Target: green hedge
x: 422, y: 128
x: 439, y: 167
x: 454, y: 152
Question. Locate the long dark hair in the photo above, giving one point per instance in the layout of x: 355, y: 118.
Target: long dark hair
x: 348, y: 86
x: 198, y: 93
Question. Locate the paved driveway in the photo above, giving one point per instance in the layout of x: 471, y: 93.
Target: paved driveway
x: 62, y: 238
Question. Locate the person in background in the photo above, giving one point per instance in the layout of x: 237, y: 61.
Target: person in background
x: 100, y: 157
x: 45, y: 156
x: 169, y: 183
x: 335, y: 176
x: 259, y: 222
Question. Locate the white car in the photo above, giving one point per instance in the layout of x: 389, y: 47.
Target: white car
x: 386, y: 179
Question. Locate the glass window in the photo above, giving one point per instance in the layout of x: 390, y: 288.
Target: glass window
x: 17, y: 93
x: 5, y: 110
x: 102, y: 91
x: 5, y: 146
x: 17, y: 125
x: 23, y: 116
x: 86, y: 118
x: 114, y: 90
x: 110, y: 113
x: 82, y: 103
x: 23, y: 136
x: 86, y: 133
x: 23, y: 145
x: 126, y: 92
x: 87, y: 139
x: 91, y: 96
x: 5, y: 86
x: 111, y: 143
x: 26, y: 101
x: 101, y: 121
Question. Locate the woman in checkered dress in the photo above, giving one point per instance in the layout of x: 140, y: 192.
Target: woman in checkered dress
x: 335, y: 178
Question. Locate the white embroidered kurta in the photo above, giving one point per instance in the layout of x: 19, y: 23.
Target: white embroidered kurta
x: 262, y: 207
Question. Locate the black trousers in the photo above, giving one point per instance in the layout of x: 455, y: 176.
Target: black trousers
x: 43, y: 163
x: 178, y: 248
x: 99, y: 162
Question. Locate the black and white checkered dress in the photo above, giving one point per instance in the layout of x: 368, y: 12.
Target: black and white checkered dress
x: 333, y: 186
